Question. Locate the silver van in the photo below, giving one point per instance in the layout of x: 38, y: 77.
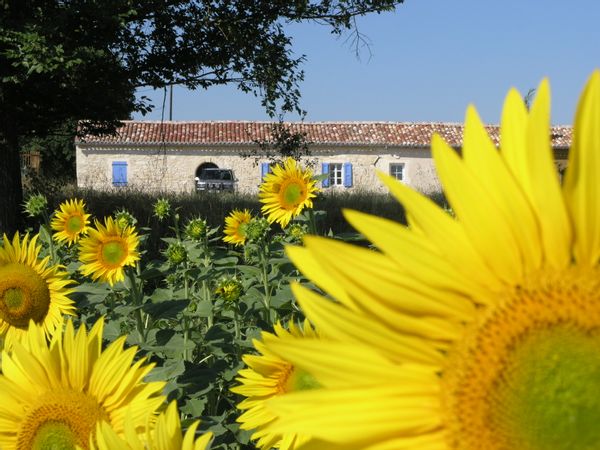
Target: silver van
x: 215, y: 180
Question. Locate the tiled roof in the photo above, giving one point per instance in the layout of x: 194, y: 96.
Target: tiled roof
x: 397, y: 134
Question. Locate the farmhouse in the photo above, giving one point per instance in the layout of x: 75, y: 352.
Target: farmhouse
x: 168, y: 156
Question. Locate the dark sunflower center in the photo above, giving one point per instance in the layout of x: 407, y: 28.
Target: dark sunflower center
x: 113, y: 253
x: 14, y: 298
x: 60, y: 420
x: 74, y: 224
x: 24, y: 295
x: 299, y: 380
x: 54, y: 435
x: 550, y: 391
x: 526, y: 375
x: 241, y: 230
x: 292, y: 194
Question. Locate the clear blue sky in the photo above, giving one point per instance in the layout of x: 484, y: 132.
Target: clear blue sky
x: 429, y: 59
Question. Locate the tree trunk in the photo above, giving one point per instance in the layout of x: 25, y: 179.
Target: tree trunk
x: 11, y: 190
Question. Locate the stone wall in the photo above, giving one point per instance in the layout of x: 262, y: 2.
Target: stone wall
x: 168, y: 169
x: 160, y: 168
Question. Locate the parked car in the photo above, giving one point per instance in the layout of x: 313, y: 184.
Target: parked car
x: 215, y: 180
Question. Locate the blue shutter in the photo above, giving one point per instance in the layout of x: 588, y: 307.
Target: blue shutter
x: 347, y: 175
x: 264, y: 170
x: 325, y: 170
x: 119, y: 173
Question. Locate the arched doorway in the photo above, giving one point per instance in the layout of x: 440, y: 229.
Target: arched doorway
x: 207, y: 165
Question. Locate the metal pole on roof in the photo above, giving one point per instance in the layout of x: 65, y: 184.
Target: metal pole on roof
x: 170, y: 102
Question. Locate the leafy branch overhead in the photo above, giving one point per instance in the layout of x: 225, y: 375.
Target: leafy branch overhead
x: 99, y: 52
x: 283, y: 142
x: 84, y: 60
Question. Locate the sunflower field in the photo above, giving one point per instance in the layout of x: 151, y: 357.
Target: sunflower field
x: 192, y: 318
x: 473, y: 327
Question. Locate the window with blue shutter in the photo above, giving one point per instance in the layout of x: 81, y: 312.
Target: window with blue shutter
x: 119, y: 173
x: 265, y: 168
x: 325, y: 170
x: 347, y: 174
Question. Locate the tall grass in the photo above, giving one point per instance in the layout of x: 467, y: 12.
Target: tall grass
x: 213, y: 207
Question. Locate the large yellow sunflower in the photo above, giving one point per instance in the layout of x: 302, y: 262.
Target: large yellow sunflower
x: 30, y: 289
x: 475, y: 333
x: 107, y: 250
x: 70, y: 221
x: 267, y: 376
x: 286, y: 192
x: 235, y: 224
x: 52, y: 395
x: 165, y: 434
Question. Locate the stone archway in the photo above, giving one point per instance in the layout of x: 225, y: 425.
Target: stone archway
x: 206, y: 165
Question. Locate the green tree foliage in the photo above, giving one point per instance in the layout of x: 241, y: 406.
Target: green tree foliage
x: 282, y: 143
x: 63, y: 60
x: 57, y: 150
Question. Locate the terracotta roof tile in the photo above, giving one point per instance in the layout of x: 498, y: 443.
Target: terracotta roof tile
x: 397, y: 134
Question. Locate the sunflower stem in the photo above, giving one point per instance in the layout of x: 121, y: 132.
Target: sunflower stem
x: 236, y: 323
x: 176, y: 226
x: 312, y: 224
x: 264, y: 263
x: 140, y: 291
x: 136, y: 297
x: 186, y: 327
x: 186, y: 290
x: 186, y: 322
x: 206, y: 296
x: 48, y: 233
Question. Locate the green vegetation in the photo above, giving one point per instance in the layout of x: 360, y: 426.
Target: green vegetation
x: 63, y: 62
x: 214, y: 207
x: 193, y: 304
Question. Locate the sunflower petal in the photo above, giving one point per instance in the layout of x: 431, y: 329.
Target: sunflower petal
x: 336, y: 322
x: 581, y: 189
x: 345, y: 415
x: 482, y: 157
x: 489, y: 231
x: 448, y: 235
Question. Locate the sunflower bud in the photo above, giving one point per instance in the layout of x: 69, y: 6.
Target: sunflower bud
x: 36, y: 205
x: 172, y: 279
x: 257, y: 229
x: 124, y: 219
x: 295, y: 232
x: 162, y: 208
x: 196, y: 229
x: 229, y: 288
x: 176, y: 253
